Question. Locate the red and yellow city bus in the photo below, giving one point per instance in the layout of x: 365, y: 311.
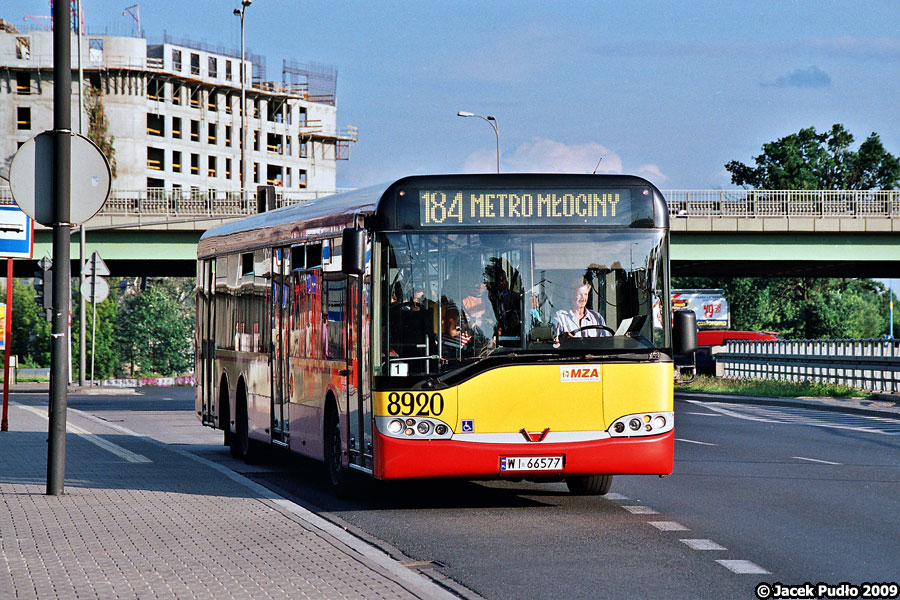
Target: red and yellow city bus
x: 475, y: 326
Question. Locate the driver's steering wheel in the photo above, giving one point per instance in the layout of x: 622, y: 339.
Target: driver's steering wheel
x: 604, y: 327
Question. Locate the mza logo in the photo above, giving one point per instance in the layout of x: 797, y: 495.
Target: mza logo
x: 579, y: 373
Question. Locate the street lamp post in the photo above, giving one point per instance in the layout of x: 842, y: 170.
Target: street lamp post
x: 240, y: 12
x: 490, y: 121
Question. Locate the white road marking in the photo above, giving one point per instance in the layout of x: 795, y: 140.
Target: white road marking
x: 743, y: 567
x: 641, y: 510
x: 615, y: 496
x: 703, y: 414
x: 697, y: 544
x: 804, y: 416
x: 694, y: 442
x: 816, y: 460
x: 669, y: 526
x: 93, y: 438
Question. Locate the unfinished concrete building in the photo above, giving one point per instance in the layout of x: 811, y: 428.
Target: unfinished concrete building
x: 174, y: 112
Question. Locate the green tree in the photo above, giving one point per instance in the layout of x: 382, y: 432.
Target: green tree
x: 153, y: 336
x: 30, y: 330
x: 106, y: 356
x: 809, y: 160
x: 802, y: 308
x: 98, y: 126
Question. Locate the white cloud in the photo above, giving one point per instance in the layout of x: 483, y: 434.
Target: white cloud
x: 541, y: 155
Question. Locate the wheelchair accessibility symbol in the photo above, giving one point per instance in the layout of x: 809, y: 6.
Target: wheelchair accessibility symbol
x: 468, y: 425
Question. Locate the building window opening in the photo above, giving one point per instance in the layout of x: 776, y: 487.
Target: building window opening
x: 228, y: 168
x: 156, y: 125
x: 23, y: 118
x: 176, y: 161
x: 155, y: 89
x: 195, y: 131
x: 228, y: 70
x: 213, y: 101
x: 155, y: 159
x: 213, y: 67
x: 274, y: 143
x: 195, y: 164
x: 195, y: 64
x: 95, y: 50
x: 176, y: 127
x: 275, y: 175
x: 176, y: 93
x: 195, y: 98
x: 23, y: 83
x: 211, y: 134
x: 176, y: 60
x: 211, y: 170
x: 228, y: 135
x: 23, y: 48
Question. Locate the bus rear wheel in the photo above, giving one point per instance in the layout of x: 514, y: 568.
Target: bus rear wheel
x: 589, y: 485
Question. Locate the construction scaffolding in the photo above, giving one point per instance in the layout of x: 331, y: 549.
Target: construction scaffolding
x: 316, y: 83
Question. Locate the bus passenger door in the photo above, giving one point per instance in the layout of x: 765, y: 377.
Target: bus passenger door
x: 281, y: 316
x: 359, y: 401
x: 207, y: 343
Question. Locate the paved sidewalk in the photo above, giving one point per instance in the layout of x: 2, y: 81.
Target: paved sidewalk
x: 140, y: 519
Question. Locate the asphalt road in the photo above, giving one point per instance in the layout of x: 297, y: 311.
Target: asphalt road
x: 759, y: 494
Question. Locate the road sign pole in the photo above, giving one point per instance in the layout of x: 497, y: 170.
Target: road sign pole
x: 4, y: 423
x: 94, y: 305
x: 61, y: 175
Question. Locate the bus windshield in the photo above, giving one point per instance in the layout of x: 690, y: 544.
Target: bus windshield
x: 448, y: 299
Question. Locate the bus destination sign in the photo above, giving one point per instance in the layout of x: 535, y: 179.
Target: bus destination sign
x: 547, y: 206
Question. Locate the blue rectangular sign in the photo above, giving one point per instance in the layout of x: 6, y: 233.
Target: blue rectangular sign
x: 16, y: 233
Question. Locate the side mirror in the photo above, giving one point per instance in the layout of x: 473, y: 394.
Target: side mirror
x: 684, y: 332
x: 353, y: 251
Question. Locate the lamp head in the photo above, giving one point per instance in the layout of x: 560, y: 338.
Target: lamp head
x: 246, y: 3
x: 463, y: 113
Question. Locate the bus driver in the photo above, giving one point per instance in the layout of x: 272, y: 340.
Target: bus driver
x: 570, y: 323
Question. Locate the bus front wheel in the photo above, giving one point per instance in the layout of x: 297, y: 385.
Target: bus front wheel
x: 338, y: 474
x: 595, y: 485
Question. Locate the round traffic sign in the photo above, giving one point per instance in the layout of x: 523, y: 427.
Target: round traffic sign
x: 97, y: 292
x: 32, y: 185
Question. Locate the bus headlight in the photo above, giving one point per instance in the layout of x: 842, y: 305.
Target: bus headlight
x: 642, y: 424
x: 425, y: 428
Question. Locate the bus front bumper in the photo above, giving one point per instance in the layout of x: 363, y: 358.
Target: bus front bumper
x: 409, y: 459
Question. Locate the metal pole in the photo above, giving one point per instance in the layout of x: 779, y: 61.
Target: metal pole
x: 61, y: 176
x: 82, y: 336
x: 240, y: 13
x: 4, y: 422
x: 94, y: 320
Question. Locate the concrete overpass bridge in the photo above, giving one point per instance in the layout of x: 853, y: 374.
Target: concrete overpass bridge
x: 714, y: 232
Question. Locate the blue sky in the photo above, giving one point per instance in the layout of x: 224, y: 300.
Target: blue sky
x: 671, y: 91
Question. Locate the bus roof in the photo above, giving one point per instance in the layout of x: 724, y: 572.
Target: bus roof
x: 329, y: 214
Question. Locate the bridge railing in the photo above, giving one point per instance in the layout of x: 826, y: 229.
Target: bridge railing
x: 783, y: 203
x: 158, y: 202
x: 747, y: 204
x: 866, y: 364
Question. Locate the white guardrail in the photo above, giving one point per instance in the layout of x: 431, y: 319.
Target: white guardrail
x: 865, y: 364
x: 749, y: 204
